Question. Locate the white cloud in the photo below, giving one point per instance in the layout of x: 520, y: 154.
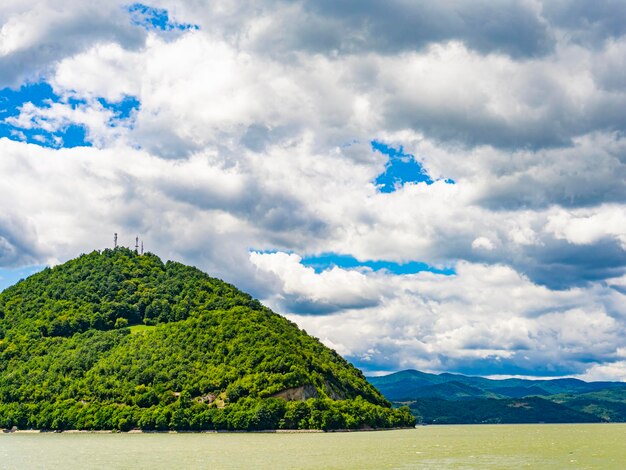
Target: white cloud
x: 106, y: 70
x: 609, y: 371
x: 36, y: 34
x: 335, y: 288
x: 483, y: 314
x: 586, y: 226
x: 102, y: 126
x: 246, y: 139
x: 482, y: 243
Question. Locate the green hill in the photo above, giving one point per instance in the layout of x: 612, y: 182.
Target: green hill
x: 117, y: 340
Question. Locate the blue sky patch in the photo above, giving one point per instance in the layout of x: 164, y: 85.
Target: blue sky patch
x: 36, y: 93
x: 42, y: 95
x: 329, y: 260
x: 122, y: 109
x: 155, y: 19
x: 8, y: 277
x: 401, y: 168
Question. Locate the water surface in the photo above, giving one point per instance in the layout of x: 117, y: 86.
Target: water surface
x: 601, y: 446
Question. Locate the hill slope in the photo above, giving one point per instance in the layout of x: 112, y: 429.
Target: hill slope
x: 119, y: 340
x: 455, y: 398
x: 491, y: 411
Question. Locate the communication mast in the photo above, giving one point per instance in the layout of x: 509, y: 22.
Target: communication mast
x: 115, y: 240
x: 136, y: 244
x: 142, y: 247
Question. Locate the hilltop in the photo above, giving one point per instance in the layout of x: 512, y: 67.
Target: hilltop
x: 117, y: 340
x: 456, y: 398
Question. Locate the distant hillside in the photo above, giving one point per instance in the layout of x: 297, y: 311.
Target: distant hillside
x: 455, y: 398
x: 115, y: 340
x: 492, y: 411
x: 453, y: 391
x: 608, y: 404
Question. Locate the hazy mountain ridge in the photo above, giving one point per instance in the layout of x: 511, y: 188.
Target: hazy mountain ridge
x: 456, y: 398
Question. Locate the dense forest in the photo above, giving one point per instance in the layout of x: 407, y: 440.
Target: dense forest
x: 117, y: 340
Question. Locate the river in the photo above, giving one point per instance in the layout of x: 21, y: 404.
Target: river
x: 601, y: 446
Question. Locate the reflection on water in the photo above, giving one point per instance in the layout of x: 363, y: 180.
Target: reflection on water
x: 601, y: 446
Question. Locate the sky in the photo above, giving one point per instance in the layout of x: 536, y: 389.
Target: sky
x: 430, y: 185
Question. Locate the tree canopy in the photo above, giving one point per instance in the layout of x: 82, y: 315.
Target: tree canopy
x: 117, y: 340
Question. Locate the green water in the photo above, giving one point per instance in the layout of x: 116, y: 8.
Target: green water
x: 601, y: 446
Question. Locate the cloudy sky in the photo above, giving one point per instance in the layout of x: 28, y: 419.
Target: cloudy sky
x: 430, y: 185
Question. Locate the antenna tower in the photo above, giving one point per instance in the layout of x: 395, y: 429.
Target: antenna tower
x: 115, y: 240
x: 142, y: 247
x: 137, y: 245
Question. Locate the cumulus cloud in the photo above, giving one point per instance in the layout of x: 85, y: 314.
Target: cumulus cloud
x: 609, y: 371
x: 482, y: 243
x: 587, y: 23
x: 249, y: 148
x: 304, y: 291
x: 584, y: 227
x: 485, y: 318
x: 35, y: 35
x: 102, y: 124
x: 18, y: 242
x: 354, y: 26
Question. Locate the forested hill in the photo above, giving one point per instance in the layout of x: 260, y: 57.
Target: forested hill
x: 117, y: 340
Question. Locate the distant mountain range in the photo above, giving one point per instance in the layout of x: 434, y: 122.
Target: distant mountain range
x: 454, y: 398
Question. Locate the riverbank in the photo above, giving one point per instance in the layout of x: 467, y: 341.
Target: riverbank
x: 209, y: 431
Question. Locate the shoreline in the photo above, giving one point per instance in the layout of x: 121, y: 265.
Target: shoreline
x: 273, y: 431
x: 210, y: 431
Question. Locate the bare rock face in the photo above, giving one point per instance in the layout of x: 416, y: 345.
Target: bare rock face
x: 333, y: 392
x: 298, y: 393
x: 208, y: 398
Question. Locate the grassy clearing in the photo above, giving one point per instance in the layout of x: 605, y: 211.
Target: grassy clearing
x: 139, y: 328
